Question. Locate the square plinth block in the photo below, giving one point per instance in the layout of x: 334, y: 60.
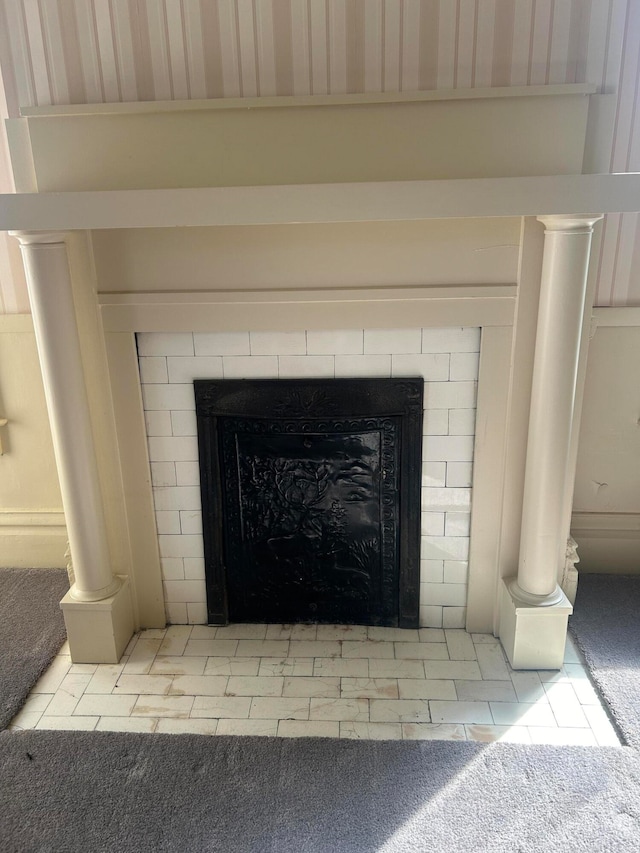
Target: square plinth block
x: 532, y: 636
x: 99, y: 631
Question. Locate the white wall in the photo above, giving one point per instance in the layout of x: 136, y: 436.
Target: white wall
x: 606, y: 507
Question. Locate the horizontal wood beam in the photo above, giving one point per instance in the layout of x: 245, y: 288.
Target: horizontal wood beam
x: 314, y: 203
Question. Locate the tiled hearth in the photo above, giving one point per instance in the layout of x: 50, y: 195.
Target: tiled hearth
x: 326, y: 681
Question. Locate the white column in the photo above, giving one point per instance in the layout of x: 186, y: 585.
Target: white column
x: 97, y: 610
x: 543, y: 540
x: 49, y: 284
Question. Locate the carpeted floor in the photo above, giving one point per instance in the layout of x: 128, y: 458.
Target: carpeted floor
x: 130, y: 793
x: 606, y: 626
x: 31, y: 631
x: 76, y: 791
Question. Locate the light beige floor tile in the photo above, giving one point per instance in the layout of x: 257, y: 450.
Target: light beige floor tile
x: 76, y: 724
x: 263, y: 648
x: 157, y: 685
x: 286, y: 666
x: 105, y: 678
x: 232, y: 666
x: 199, y: 685
x: 202, y: 632
x: 396, y: 668
x: 565, y: 706
x: 572, y: 652
x: 53, y: 677
x: 528, y: 687
x: 498, y: 734
x: 318, y: 687
x: 162, y: 706
x: 432, y: 731
x: 339, y: 709
x: 564, y: 736
x: 308, y: 728
x: 130, y: 645
x: 211, y: 648
x: 102, y: 705
x: 369, y: 688
x: 142, y: 656
x: 520, y: 714
x: 350, y: 668
x: 399, y: 711
x: 460, y: 645
x: 255, y: 728
x: 492, y: 663
x: 443, y: 711
x: 304, y: 632
x: 64, y: 648
x: 33, y: 708
x: 465, y: 670
x: 187, y: 727
x: 278, y: 632
x: 371, y: 731
x: 484, y: 638
x: 241, y: 632
x: 422, y: 651
x: 433, y: 688
x: 579, y: 680
x: 495, y: 691
x: 342, y: 632
x: 153, y: 633
x: 247, y: 685
x: 175, y: 640
x: 221, y: 706
x: 431, y: 635
x: 270, y: 708
x: 552, y: 675
x: 174, y: 665
x: 368, y: 649
x: 68, y: 695
x: 314, y: 649
x: 601, y: 726
x: 82, y: 668
x: 126, y: 724
x: 397, y: 635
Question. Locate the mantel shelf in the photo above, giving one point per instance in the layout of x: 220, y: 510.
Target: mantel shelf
x: 321, y: 203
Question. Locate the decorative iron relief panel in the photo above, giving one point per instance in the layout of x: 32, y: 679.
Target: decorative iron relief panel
x: 311, y: 499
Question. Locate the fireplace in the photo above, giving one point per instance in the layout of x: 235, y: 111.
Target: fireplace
x: 445, y: 358
x: 311, y: 499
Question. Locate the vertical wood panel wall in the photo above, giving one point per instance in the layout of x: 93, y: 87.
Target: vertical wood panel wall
x: 94, y: 51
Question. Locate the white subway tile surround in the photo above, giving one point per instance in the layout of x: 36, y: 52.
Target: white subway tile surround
x: 447, y: 359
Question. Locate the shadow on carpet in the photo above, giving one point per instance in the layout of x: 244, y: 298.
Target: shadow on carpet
x: 102, y: 791
x: 606, y: 626
x: 31, y: 631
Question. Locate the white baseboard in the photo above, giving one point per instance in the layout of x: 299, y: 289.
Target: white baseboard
x: 35, y: 540
x: 607, y: 542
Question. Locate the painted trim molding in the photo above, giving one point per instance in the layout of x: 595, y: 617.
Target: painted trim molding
x: 378, y: 201
x: 33, y: 540
x: 615, y: 317
x: 485, y: 305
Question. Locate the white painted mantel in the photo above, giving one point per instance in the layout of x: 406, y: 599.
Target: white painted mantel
x: 528, y: 376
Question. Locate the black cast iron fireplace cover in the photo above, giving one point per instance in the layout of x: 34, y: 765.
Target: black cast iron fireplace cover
x: 311, y: 499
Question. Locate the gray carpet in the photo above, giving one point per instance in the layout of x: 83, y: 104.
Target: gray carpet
x: 75, y: 791
x: 31, y: 631
x: 606, y: 625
